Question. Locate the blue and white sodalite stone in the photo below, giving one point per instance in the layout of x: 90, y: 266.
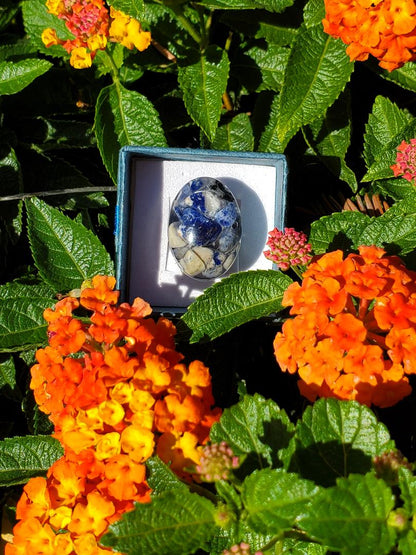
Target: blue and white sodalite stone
x: 205, y: 228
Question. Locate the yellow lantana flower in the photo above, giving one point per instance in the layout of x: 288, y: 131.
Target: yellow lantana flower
x: 97, y: 42
x: 92, y: 516
x: 108, y: 446
x: 55, y: 7
x: 143, y: 419
x: 138, y: 442
x: 80, y: 58
x: 60, y: 517
x: 49, y: 37
x: 111, y: 412
x: 122, y: 392
x: 128, y: 31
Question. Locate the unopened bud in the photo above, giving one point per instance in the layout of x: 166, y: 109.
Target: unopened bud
x: 387, y: 466
x: 217, y: 462
x: 240, y: 549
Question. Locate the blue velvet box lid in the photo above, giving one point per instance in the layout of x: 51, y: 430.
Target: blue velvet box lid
x: 148, y: 180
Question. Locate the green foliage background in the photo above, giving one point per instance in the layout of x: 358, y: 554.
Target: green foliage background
x: 240, y: 75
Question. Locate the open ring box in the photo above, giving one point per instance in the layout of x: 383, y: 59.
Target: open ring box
x: 148, y: 182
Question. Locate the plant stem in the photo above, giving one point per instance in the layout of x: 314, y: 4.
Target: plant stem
x: 298, y: 271
x: 228, y: 104
x: 186, y: 24
x: 194, y: 487
x: 226, y: 100
x: 164, y: 51
x: 205, y: 26
x: 272, y: 543
x: 114, y: 68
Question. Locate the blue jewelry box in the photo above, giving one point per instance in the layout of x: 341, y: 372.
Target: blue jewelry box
x: 150, y: 178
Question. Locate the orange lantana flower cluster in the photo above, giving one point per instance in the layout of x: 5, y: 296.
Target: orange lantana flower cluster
x: 92, y: 25
x: 117, y: 392
x: 386, y: 29
x: 354, y: 331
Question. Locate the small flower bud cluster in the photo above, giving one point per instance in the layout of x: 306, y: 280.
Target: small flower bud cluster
x: 387, y: 466
x: 216, y: 462
x: 398, y: 519
x: 240, y: 549
x: 288, y: 248
x: 405, y: 165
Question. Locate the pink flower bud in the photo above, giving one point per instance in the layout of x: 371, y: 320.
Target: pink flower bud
x: 288, y: 248
x: 240, y: 549
x: 405, y: 165
x: 217, y: 462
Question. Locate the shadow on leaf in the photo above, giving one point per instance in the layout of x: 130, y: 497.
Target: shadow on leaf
x: 275, y: 438
x: 323, y: 463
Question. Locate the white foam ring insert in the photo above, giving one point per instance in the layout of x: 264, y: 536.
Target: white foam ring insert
x: 154, y: 273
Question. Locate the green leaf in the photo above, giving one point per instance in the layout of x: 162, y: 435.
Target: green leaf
x: 330, y: 138
x: 238, y: 531
x: 407, y: 543
x: 300, y: 546
x: 7, y: 373
x: 11, y: 174
x: 64, y: 251
x: 393, y: 231
x: 161, y: 478
x: 17, y: 50
x: 351, y: 517
x: 396, y: 188
x: 15, y: 76
x: 134, y: 8
x: 235, y: 300
x: 335, y: 438
x: 38, y: 422
x: 265, y: 25
x: 59, y: 134
x: 175, y: 523
x: 275, y: 500
x: 36, y: 19
x: 255, y: 427
x: 11, y: 223
x: 340, y: 230
x: 407, y: 485
x: 203, y: 82
x: 275, y: 5
x: 387, y: 127
x: 313, y: 12
x: 405, y: 76
x: 7, y: 12
x: 21, y: 315
x: 271, y: 5
x: 269, y: 141
x: 261, y: 68
x: 317, y: 71
x: 407, y: 205
x: 124, y: 117
x: 110, y: 58
x: 230, y: 495
x: 22, y: 458
x: 7, y: 376
x: 237, y: 134
x: 385, y: 122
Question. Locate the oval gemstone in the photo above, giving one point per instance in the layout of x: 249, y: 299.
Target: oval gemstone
x: 205, y: 228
